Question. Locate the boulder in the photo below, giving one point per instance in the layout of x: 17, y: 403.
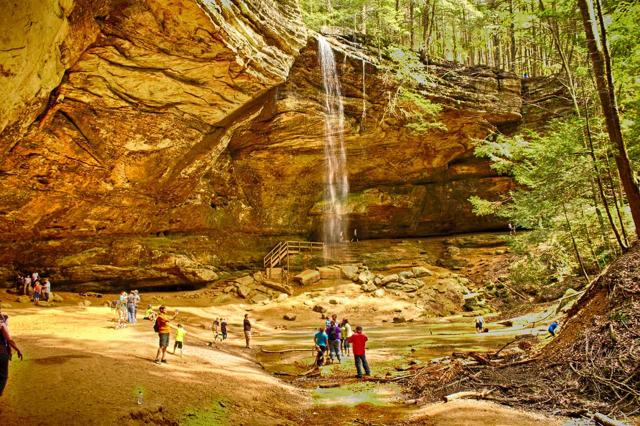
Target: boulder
x: 349, y: 271
x: 365, y: 276
x: 333, y: 302
x: 259, y: 297
x: 330, y: 272
x: 406, y: 274
x: 282, y: 297
x: 379, y: 292
x: 320, y: 309
x: 415, y: 282
x: 56, y: 297
x: 399, y: 319
x: 369, y: 287
x: 421, y: 271
x: 243, y: 290
x: 308, y: 303
x: 245, y: 280
x: 258, y: 277
x: 389, y: 279
x: 307, y: 277
x: 282, y: 288
x: 377, y: 280
x: 290, y: 316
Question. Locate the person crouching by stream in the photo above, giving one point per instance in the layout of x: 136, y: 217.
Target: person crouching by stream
x: 320, y: 340
x: 161, y: 326
x: 359, y: 342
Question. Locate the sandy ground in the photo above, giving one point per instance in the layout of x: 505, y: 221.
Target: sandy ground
x: 79, y: 370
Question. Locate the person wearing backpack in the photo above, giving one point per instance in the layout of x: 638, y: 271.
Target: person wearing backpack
x: 162, y: 327
x: 333, y: 333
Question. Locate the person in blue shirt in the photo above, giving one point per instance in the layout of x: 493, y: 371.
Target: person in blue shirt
x: 320, y: 340
x: 552, y: 328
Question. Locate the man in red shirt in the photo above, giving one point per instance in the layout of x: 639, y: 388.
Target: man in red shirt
x: 163, y: 329
x: 359, y: 341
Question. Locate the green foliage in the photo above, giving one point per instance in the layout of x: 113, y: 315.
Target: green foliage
x: 556, y: 199
x: 624, y: 39
x: 409, y: 101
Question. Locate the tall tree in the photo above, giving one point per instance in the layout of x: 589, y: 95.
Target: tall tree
x: 602, y: 74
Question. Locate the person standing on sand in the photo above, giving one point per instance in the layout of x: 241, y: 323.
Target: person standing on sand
x: 26, y: 282
x: 359, y: 342
x: 180, y: 333
x: 6, y: 344
x: 37, y: 290
x: 137, y: 301
x: 46, y: 289
x: 246, y: 325
x: 215, y: 327
x: 223, y: 328
x: 163, y: 329
x: 131, y: 308
x: 320, y: 340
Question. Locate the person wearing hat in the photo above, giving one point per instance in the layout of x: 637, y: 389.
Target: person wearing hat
x: 163, y: 329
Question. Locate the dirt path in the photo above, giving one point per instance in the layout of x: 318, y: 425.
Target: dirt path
x: 79, y: 370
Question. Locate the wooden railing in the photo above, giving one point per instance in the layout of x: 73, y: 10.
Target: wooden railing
x: 283, y: 249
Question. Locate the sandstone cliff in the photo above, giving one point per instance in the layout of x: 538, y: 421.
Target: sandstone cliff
x: 160, y: 142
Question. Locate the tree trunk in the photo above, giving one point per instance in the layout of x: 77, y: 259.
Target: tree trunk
x: 512, y: 35
x: 610, y: 111
x: 575, y: 245
x: 411, y: 26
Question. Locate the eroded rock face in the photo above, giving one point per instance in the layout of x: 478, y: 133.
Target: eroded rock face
x: 169, y: 140
x: 402, y: 183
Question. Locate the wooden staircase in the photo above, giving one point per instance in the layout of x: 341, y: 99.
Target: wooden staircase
x: 284, y: 249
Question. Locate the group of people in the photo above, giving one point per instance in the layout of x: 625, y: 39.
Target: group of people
x: 337, y: 338
x: 162, y: 326
x: 126, y: 308
x: 219, y: 329
x: 33, y: 285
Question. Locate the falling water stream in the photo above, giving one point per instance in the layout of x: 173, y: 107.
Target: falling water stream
x: 335, y: 224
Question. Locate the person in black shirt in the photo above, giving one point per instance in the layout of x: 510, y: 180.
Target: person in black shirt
x: 247, y: 331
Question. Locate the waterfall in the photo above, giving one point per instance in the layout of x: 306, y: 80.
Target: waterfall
x: 335, y: 224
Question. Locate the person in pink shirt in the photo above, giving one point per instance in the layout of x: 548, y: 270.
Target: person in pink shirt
x: 359, y: 342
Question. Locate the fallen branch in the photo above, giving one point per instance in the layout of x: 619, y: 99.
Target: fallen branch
x: 467, y: 394
x: 606, y: 420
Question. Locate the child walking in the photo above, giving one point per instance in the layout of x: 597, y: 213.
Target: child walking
x: 180, y: 333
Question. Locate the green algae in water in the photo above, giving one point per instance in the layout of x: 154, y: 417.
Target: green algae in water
x: 356, y: 394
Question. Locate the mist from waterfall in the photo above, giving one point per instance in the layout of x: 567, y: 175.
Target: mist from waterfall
x: 335, y: 225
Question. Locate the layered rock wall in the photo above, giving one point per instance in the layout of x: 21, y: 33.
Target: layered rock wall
x: 164, y: 141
